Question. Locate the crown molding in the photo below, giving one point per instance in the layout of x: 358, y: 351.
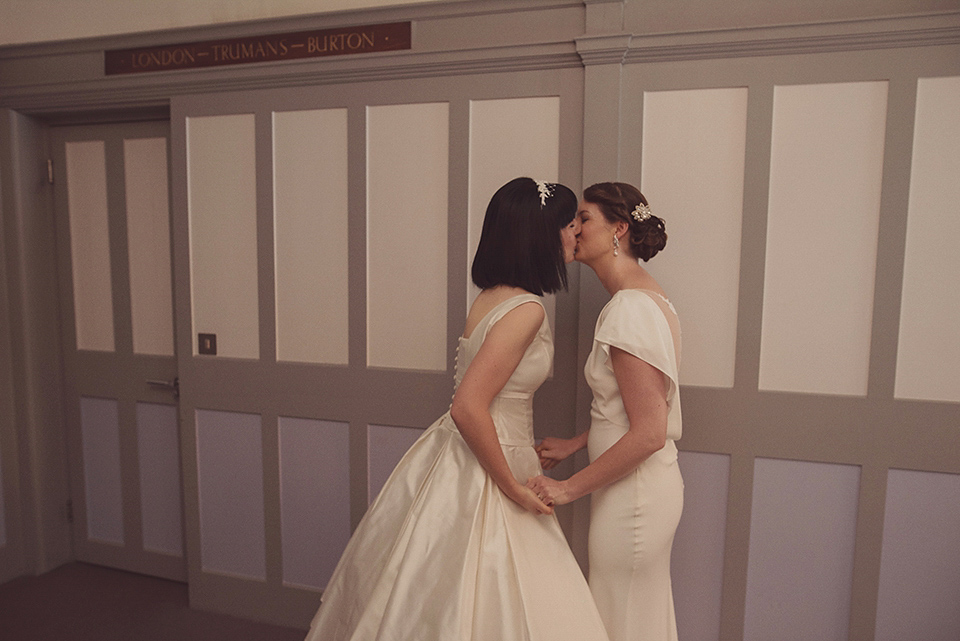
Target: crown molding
x: 854, y: 35
x: 603, y: 49
x: 155, y: 90
x: 303, y: 22
x: 49, y: 94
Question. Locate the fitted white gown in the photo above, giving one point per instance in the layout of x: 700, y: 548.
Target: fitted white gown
x: 443, y: 555
x: 633, y: 521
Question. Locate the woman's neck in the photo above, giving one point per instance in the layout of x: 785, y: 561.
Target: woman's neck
x: 616, y: 273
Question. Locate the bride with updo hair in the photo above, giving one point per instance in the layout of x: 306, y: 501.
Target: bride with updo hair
x: 633, y: 476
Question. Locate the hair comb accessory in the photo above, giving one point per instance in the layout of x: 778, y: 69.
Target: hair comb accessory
x: 641, y: 213
x: 545, y: 189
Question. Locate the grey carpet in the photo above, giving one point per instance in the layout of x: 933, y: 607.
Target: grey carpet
x: 81, y: 602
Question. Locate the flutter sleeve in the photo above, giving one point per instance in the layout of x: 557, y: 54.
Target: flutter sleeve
x: 634, y: 322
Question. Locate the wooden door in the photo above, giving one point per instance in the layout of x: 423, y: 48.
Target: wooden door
x: 111, y: 189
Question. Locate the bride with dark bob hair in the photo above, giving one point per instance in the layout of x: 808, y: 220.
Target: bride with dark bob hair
x: 456, y: 547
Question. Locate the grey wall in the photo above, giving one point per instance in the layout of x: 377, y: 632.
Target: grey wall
x: 624, y: 49
x: 33, y: 321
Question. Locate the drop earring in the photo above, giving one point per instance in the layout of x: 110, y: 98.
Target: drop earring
x: 616, y: 246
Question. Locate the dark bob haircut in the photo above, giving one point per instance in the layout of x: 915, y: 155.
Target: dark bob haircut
x: 520, y: 243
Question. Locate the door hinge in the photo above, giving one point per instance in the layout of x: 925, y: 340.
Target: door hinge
x: 49, y: 171
x: 69, y: 510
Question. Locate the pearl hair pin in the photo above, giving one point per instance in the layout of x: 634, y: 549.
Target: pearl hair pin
x: 545, y: 189
x: 641, y: 213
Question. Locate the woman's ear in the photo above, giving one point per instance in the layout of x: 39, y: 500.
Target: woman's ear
x: 621, y: 228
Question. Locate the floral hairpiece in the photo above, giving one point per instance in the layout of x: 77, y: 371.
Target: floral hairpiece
x: 545, y: 189
x: 641, y: 213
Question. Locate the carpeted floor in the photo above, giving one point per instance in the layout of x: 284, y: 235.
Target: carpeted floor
x: 80, y: 602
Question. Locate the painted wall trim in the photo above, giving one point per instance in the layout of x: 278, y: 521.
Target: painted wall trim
x: 879, y: 33
x: 33, y: 79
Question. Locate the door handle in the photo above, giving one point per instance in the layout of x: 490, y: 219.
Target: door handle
x: 173, y: 386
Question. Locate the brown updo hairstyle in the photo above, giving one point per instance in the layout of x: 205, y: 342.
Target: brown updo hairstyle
x: 617, y: 202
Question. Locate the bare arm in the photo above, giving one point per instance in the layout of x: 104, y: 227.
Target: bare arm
x: 491, y: 368
x: 644, y: 391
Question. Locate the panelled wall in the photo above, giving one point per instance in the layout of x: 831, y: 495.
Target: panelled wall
x: 810, y: 200
x: 324, y: 216
x: 324, y: 236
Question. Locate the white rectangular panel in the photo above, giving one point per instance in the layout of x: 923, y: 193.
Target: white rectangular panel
x: 314, y: 498
x: 920, y: 561
x: 230, y: 471
x: 310, y: 225
x: 407, y: 168
x: 509, y: 138
x: 386, y: 445
x: 102, y: 480
x: 928, y: 353
x: 692, y: 176
x: 802, y: 532
x: 148, y: 243
x: 90, y: 245
x: 221, y: 172
x: 696, y: 564
x: 161, y: 510
x: 826, y: 164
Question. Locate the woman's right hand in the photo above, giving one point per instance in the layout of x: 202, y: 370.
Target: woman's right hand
x: 552, y: 450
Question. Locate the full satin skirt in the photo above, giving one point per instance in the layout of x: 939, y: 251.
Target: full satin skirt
x: 444, y: 555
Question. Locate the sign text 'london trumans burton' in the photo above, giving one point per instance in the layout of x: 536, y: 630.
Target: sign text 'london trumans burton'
x: 283, y: 46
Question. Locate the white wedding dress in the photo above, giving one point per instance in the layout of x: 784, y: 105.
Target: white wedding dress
x: 633, y: 520
x: 443, y: 555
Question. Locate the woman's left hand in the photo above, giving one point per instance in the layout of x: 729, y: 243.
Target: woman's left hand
x: 550, y: 491
x: 552, y: 450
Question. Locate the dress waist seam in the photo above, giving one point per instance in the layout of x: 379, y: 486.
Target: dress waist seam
x: 447, y: 423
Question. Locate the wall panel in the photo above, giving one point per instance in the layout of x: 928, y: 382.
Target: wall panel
x: 230, y: 480
x: 310, y: 235
x: 802, y: 530
x: 928, y: 356
x: 314, y: 498
x: 697, y: 561
x: 825, y: 179
x: 407, y: 209
x: 919, y: 581
x: 692, y: 176
x: 223, y: 232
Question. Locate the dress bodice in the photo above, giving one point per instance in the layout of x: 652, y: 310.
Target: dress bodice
x: 634, y: 322
x: 512, y: 409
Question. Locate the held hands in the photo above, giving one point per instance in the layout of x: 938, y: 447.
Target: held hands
x: 529, y: 500
x: 552, y: 450
x: 553, y: 492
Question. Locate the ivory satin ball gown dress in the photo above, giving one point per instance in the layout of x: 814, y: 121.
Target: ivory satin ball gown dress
x: 633, y: 520
x: 443, y: 555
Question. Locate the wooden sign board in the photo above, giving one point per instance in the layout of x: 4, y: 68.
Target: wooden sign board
x: 237, y: 51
